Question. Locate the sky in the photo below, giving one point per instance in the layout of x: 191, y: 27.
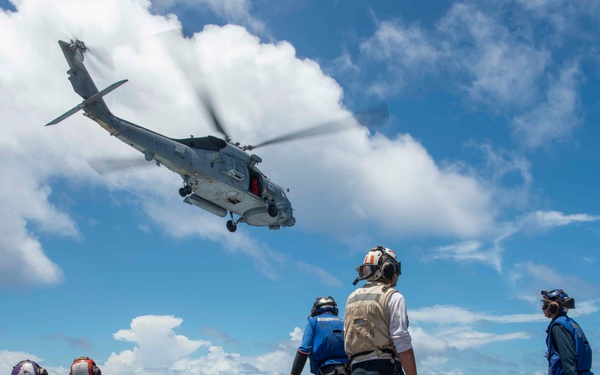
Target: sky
x: 484, y: 180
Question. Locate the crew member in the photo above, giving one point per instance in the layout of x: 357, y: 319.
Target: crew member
x: 84, y: 366
x: 569, y: 351
x: 28, y: 367
x: 323, y: 341
x: 376, y: 324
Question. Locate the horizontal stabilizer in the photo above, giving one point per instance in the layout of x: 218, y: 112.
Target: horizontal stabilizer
x: 87, y: 102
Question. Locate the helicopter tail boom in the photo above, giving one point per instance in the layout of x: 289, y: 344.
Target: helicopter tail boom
x: 83, y: 84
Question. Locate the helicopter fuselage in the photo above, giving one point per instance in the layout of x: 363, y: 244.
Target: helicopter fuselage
x: 217, y: 176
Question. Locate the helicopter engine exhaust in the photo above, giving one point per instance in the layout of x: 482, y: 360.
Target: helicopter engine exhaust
x: 198, y: 201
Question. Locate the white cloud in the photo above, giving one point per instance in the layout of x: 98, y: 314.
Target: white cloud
x: 479, y: 251
x: 152, y: 352
x: 464, y: 337
x: 504, y: 69
x: 543, y: 220
x: 406, y: 50
x: 325, y: 277
x: 451, y: 315
x: 261, y: 89
x: 469, y: 251
x: 556, y: 117
x: 234, y: 11
x: 499, y: 58
x: 527, y: 279
x: 158, y: 350
x: 448, y: 334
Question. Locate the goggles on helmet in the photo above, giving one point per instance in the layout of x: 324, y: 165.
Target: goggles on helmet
x: 371, y: 269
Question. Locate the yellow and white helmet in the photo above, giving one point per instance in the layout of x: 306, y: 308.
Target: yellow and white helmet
x: 380, y: 262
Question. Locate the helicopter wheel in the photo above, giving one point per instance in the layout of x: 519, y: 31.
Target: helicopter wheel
x: 272, y: 210
x: 185, y: 191
x: 231, y: 226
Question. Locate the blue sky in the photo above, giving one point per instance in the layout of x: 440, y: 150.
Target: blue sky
x: 484, y: 182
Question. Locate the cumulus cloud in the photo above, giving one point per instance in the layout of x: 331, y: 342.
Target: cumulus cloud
x: 159, y: 350
x: 261, y: 89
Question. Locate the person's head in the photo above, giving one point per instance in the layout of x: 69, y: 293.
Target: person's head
x: 556, y: 302
x: 28, y: 367
x: 323, y: 305
x: 84, y: 366
x: 380, y: 264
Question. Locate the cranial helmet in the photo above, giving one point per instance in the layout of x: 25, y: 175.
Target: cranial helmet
x: 84, y: 366
x: 28, y: 367
x: 380, y: 262
x: 557, y: 300
x: 323, y: 304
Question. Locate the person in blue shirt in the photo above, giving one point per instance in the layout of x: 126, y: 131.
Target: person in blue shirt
x: 323, y: 341
x: 569, y: 352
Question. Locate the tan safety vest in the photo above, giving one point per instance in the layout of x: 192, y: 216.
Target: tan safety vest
x: 366, y: 325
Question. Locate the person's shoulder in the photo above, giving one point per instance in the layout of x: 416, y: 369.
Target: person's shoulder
x: 559, y: 327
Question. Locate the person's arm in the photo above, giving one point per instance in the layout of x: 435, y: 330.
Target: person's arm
x: 565, y: 346
x: 305, y: 348
x: 407, y: 359
x: 396, y: 312
x: 299, y: 362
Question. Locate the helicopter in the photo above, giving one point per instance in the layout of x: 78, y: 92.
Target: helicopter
x: 219, y: 176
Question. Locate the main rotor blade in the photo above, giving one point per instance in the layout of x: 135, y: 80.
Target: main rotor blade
x: 104, y: 166
x: 213, y: 114
x: 330, y: 127
x: 375, y: 116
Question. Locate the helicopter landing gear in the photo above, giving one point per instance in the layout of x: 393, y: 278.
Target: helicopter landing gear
x: 231, y: 225
x: 185, y: 191
x: 272, y: 210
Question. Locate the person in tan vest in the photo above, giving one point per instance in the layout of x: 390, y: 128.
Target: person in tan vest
x: 376, y: 336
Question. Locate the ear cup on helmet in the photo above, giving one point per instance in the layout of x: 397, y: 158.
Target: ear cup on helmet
x: 388, y: 270
x: 553, y: 307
